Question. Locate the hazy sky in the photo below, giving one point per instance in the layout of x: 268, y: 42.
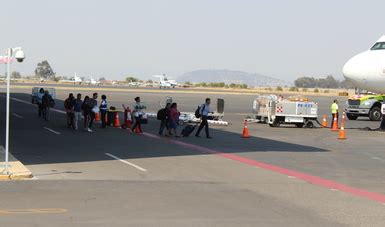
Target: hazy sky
x: 284, y: 39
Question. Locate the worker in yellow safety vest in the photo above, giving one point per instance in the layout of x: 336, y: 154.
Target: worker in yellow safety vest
x: 334, y: 109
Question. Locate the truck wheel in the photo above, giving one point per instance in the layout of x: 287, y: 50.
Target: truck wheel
x: 351, y: 116
x: 299, y: 125
x: 375, y: 114
x: 180, y: 122
x: 309, y: 124
x: 275, y: 123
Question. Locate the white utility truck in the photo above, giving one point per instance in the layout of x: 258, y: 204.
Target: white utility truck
x: 275, y: 110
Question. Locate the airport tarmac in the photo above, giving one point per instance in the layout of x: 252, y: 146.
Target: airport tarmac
x: 277, y: 177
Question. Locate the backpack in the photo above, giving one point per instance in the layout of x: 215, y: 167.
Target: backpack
x: 198, y: 111
x: 68, y: 104
x: 52, y: 103
x: 162, y: 114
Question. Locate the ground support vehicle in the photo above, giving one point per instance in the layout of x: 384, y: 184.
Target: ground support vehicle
x: 368, y: 105
x: 276, y: 111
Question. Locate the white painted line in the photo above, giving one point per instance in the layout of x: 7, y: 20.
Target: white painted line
x: 377, y: 158
x: 53, y: 131
x: 19, y: 100
x: 17, y: 116
x: 333, y: 189
x: 23, y: 101
x: 124, y: 161
x: 292, y: 177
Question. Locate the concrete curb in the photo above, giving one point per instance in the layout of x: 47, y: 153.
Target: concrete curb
x: 17, y: 171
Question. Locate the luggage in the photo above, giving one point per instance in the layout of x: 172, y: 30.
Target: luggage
x: 188, y: 130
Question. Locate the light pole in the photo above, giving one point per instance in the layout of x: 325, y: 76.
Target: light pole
x: 19, y: 55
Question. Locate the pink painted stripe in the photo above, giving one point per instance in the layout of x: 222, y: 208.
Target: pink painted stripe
x: 303, y: 176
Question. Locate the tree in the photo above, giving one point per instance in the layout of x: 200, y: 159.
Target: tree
x: 132, y: 79
x: 310, y: 82
x: 44, y: 70
x: 305, y: 82
x: 15, y: 75
x: 149, y: 81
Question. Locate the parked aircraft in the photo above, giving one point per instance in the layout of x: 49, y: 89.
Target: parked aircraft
x: 164, y: 82
x: 367, y: 69
x: 74, y: 80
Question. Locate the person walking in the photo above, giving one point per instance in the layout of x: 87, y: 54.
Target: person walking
x: 47, y: 103
x: 382, y: 125
x: 69, y: 108
x: 77, y: 104
x: 204, y: 111
x: 163, y: 116
x: 86, y: 113
x: 138, y: 113
x: 173, y: 120
x: 93, y: 104
x: 39, y: 100
x: 103, y: 110
x: 334, y: 110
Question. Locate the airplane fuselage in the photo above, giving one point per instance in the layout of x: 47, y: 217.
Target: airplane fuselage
x: 367, y: 70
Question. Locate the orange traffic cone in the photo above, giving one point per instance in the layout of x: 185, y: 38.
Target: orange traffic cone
x: 116, y: 120
x: 97, y: 117
x: 341, y: 134
x: 137, y: 130
x: 245, y: 133
x: 324, y: 121
x: 335, y: 124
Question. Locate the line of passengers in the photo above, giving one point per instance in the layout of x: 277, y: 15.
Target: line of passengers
x: 76, y: 108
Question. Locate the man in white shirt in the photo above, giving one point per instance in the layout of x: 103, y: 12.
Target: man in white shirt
x: 204, y: 111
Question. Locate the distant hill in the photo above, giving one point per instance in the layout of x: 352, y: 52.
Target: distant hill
x: 229, y: 76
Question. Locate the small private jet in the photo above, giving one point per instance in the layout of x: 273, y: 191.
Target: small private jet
x: 164, y: 82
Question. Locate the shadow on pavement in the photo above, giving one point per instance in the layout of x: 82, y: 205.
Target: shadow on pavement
x: 32, y: 144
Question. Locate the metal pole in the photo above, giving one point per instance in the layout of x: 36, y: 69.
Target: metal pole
x: 7, y: 111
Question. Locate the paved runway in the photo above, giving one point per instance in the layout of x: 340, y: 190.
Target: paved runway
x: 113, y: 177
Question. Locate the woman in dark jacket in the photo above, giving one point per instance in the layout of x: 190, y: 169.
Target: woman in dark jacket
x: 86, y: 113
x: 47, y: 102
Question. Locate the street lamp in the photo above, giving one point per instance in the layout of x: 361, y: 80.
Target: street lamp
x: 19, y: 55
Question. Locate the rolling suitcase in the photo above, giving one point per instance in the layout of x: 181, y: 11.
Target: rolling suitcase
x: 188, y: 130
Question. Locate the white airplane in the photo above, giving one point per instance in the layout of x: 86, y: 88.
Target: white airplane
x: 166, y: 83
x: 367, y: 69
x: 75, y: 79
x: 92, y: 81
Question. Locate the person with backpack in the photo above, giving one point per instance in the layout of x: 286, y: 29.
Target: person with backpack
x: 163, y: 115
x: 69, y: 108
x: 47, y: 103
x: 173, y: 119
x: 203, y: 113
x: 39, y: 100
x: 103, y: 110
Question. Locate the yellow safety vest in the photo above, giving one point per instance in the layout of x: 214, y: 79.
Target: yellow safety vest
x: 334, y: 108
